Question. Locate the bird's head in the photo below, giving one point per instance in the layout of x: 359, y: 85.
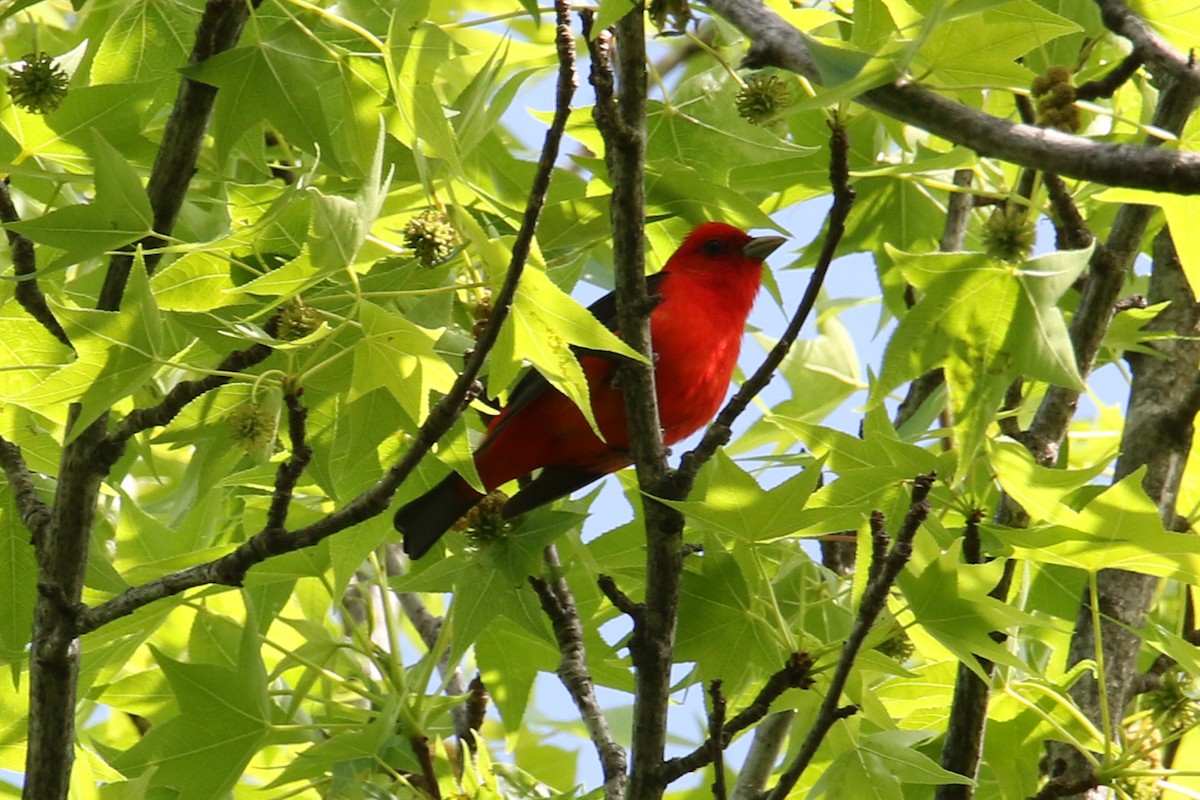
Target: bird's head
x: 718, y: 247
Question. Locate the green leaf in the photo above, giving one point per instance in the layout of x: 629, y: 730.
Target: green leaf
x: 119, y: 215
x: 961, y: 619
x: 116, y: 353
x: 1041, y: 491
x: 1119, y: 529
x: 1181, y: 212
x: 270, y: 81
x: 721, y: 628
x: 339, y: 225
x: 982, y: 49
x: 543, y: 325
x: 735, y: 505
x: 876, y: 766
x: 416, y: 51
x: 985, y: 323
x: 18, y: 581
x: 146, y: 42
x: 223, y: 720
x: 400, y: 356
x: 510, y: 657
x: 681, y: 191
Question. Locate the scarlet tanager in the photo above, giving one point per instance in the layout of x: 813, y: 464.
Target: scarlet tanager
x: 705, y: 293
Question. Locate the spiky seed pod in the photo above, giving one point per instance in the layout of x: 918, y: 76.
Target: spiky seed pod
x: 297, y: 319
x: 431, y: 237
x: 763, y: 98
x: 483, y: 523
x: 252, y: 426
x: 1054, y: 97
x: 38, y: 84
x: 1009, y: 234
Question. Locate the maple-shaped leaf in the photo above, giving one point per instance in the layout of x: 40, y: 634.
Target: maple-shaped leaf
x: 985, y: 322
x: 273, y: 81
x: 118, y: 215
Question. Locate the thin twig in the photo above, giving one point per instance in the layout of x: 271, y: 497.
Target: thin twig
x: 843, y: 198
x: 1114, y: 79
x: 716, y: 737
x: 35, y: 514
x: 184, y: 392
x: 795, y: 674
x: 289, y: 471
x: 1157, y: 52
x: 873, y: 601
x: 559, y: 605
x: 24, y: 260
x: 231, y: 569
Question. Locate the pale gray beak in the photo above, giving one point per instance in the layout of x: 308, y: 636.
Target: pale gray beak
x: 762, y: 246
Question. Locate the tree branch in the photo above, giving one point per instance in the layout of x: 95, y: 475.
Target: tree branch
x: 777, y: 43
x: 231, y: 569
x: 716, y: 735
x: 768, y: 740
x: 1152, y: 48
x: 219, y: 30
x: 559, y: 605
x: 718, y: 433
x: 24, y: 260
x: 1109, y: 265
x: 873, y: 601
x: 795, y: 674
x: 35, y: 514
x: 289, y: 471
x: 1157, y: 435
x: 621, y: 119
x: 184, y: 392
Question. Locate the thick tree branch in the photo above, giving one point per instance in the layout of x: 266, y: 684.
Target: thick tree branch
x: 777, y: 43
x: 219, y: 30
x: 24, y: 260
x: 1158, y: 437
x: 874, y: 600
x: 559, y: 605
x: 54, y: 649
x: 620, y: 117
x: 1110, y: 263
x: 231, y: 569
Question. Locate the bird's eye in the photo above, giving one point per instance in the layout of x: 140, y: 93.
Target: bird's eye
x: 714, y: 247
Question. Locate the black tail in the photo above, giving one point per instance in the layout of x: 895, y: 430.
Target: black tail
x: 424, y: 520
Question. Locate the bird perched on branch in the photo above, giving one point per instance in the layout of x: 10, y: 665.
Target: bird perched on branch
x: 704, y: 296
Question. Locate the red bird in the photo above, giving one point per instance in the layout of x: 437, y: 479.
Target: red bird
x: 706, y: 288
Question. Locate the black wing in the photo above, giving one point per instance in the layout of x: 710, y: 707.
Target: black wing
x: 532, y: 383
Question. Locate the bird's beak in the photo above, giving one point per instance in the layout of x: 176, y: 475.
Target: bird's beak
x: 760, y: 247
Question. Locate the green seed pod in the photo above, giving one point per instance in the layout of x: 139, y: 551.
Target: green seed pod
x: 1009, y: 234
x: 38, y: 84
x: 296, y: 320
x: 431, y: 236
x: 763, y: 98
